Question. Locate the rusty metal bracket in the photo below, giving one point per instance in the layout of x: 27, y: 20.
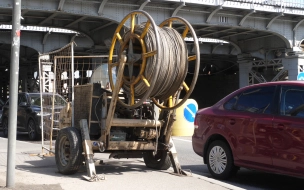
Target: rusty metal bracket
x: 88, y: 152
x: 174, y: 161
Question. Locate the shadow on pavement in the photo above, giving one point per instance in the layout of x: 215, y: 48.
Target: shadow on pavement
x: 47, y: 166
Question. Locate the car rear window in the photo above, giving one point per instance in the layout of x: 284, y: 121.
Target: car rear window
x: 292, y: 101
x: 47, y: 99
x: 256, y: 100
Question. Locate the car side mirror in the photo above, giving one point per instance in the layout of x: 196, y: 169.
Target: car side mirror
x: 23, y: 104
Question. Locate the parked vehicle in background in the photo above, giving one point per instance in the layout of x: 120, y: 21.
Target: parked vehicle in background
x: 29, y: 113
x: 258, y: 127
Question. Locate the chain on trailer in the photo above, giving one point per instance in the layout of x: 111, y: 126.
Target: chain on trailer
x: 148, y: 81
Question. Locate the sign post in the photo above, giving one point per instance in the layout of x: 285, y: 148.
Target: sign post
x: 13, y: 93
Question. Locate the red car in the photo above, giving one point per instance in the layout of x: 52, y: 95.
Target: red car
x: 259, y: 127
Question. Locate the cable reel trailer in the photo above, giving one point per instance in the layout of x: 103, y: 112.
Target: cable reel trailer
x: 135, y: 119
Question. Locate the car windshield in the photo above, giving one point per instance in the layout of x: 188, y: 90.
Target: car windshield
x: 47, y: 100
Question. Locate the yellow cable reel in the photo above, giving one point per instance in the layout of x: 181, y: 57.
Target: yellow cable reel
x: 133, y: 44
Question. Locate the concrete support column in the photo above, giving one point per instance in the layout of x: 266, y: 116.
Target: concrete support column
x: 245, y: 66
x: 294, y: 65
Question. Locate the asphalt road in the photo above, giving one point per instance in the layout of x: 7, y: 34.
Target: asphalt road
x: 246, y: 179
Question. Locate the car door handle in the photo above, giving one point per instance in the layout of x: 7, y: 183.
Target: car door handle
x: 232, y: 121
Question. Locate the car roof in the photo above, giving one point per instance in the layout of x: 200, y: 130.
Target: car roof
x: 286, y: 82
x: 293, y: 82
x: 276, y: 83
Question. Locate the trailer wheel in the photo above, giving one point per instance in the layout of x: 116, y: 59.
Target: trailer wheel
x: 159, y: 161
x: 68, y: 150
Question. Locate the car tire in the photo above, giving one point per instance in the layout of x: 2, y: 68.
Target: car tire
x: 220, y: 160
x: 5, y: 127
x: 32, y: 130
x: 68, y: 154
x: 159, y: 161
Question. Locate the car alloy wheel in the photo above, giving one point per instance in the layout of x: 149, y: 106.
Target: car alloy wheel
x: 31, y: 127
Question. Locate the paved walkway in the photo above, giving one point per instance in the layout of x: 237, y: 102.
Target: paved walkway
x: 36, y: 172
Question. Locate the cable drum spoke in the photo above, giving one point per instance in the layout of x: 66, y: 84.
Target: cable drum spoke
x: 192, y: 58
x: 185, y: 32
x: 167, y: 23
x: 145, y: 30
x: 132, y: 23
x: 149, y: 54
x: 119, y: 38
x: 185, y: 87
x: 145, y: 81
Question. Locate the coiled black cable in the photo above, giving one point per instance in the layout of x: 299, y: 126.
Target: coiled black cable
x: 173, y: 60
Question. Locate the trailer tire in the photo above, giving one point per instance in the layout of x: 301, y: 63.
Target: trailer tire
x: 68, y: 150
x: 159, y: 161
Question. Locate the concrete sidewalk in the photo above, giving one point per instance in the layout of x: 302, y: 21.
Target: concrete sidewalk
x: 35, y: 172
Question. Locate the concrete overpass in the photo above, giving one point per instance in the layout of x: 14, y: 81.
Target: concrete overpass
x: 262, y: 35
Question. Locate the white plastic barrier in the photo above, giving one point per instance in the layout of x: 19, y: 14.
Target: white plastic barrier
x: 185, y: 114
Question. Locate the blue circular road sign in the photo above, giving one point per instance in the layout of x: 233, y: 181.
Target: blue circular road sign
x: 189, y: 112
